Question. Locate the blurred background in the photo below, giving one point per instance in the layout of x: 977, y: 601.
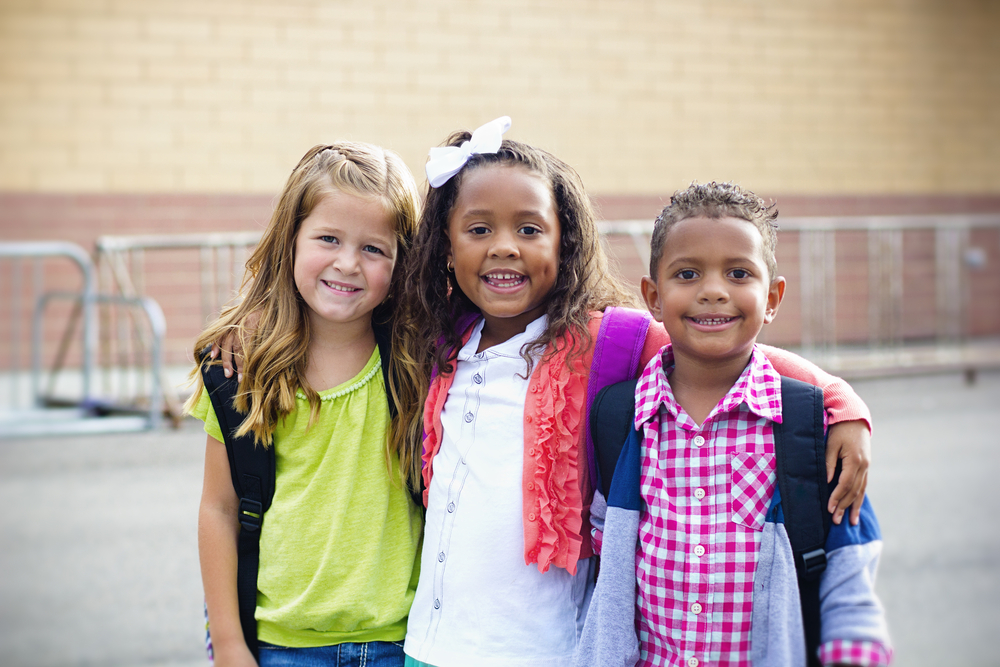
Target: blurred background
x: 142, y: 145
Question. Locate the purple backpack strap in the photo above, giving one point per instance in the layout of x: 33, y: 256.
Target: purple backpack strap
x: 465, y: 320
x: 617, y: 352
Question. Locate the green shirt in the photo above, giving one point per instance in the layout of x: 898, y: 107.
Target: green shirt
x: 340, y: 545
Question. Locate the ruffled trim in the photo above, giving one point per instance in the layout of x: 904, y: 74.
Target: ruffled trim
x: 553, y: 513
x: 436, y: 395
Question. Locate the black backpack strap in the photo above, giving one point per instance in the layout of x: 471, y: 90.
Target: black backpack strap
x: 800, y: 453
x: 383, y: 338
x: 612, y: 418
x: 252, y: 469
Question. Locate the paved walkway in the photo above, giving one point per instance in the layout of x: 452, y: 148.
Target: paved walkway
x: 99, y: 547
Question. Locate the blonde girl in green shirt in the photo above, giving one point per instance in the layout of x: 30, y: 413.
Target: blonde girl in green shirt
x: 339, y: 547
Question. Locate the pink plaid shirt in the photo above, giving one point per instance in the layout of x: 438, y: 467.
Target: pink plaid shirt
x: 705, y: 492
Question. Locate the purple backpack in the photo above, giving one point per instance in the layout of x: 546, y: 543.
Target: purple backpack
x: 617, y: 353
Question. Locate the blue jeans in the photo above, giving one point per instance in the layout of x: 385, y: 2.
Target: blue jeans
x: 370, y: 654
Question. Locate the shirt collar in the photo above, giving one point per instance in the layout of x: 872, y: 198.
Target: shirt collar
x: 759, y: 386
x: 509, y: 348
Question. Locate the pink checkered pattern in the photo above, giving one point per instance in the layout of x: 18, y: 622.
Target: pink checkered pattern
x: 704, y: 509
x: 847, y: 652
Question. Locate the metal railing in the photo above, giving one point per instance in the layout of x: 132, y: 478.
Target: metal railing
x: 887, y: 349
x: 31, y: 408
x: 121, y: 260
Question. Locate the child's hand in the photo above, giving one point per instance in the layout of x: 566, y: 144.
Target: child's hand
x: 237, y: 655
x: 231, y: 349
x: 851, y: 442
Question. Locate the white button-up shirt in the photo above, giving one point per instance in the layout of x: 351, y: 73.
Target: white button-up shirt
x: 477, y: 602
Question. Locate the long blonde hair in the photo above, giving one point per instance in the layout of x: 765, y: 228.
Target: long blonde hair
x: 275, y: 348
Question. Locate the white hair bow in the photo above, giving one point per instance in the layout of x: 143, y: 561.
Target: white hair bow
x: 446, y: 161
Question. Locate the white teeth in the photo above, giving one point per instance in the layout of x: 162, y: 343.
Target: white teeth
x: 340, y: 288
x: 503, y: 276
x: 713, y: 321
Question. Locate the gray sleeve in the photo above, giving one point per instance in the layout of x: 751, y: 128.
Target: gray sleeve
x: 849, y: 607
x: 598, y: 510
x: 609, y: 637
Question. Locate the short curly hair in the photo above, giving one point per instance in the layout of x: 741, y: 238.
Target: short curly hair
x: 716, y: 200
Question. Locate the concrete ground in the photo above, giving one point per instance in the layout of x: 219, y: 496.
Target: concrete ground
x: 99, y: 549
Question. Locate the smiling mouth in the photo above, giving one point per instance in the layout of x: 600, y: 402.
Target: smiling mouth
x: 504, y: 279
x: 346, y: 289
x: 711, y: 321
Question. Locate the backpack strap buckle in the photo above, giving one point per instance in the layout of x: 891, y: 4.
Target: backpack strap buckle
x: 251, y: 514
x: 813, y: 563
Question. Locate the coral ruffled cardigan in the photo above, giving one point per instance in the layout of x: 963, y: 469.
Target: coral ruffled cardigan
x: 555, y: 481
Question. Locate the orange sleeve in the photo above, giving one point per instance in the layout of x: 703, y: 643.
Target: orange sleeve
x: 839, y: 399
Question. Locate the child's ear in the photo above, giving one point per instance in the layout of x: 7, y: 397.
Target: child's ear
x: 775, y: 293
x: 651, y: 295
x: 449, y: 257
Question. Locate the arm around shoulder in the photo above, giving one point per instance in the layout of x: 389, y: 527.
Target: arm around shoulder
x: 849, y: 437
x: 839, y: 399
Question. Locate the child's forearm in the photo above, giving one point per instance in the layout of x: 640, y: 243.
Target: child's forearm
x: 839, y: 399
x: 217, y: 553
x: 218, y: 531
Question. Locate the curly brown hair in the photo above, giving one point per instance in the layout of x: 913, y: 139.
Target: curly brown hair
x: 435, y: 302
x: 716, y: 200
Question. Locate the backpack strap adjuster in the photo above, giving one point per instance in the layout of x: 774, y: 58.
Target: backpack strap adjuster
x: 813, y: 563
x: 251, y: 514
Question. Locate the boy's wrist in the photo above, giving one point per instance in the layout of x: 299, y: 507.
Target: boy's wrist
x: 864, y: 653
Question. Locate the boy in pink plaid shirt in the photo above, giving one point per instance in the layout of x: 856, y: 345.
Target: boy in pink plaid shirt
x: 692, y: 541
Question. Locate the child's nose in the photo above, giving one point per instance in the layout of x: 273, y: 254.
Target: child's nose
x: 504, y: 245
x: 713, y: 290
x: 347, y: 261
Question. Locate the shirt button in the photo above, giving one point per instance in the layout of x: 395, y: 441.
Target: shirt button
x: 441, y: 557
x: 699, y: 551
x: 451, y: 507
x: 699, y: 493
x: 469, y: 417
x: 696, y: 608
x: 437, y: 604
x: 528, y: 419
x: 477, y: 378
x: 698, y: 442
x: 531, y: 517
x: 692, y: 662
x: 531, y: 486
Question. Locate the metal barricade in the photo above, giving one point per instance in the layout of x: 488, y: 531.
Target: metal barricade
x: 127, y: 266
x: 888, y: 348
x: 69, y: 401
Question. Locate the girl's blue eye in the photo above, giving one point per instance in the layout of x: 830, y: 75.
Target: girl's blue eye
x: 328, y: 239
x: 374, y: 249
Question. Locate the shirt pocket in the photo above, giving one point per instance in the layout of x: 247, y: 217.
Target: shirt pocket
x: 753, y: 477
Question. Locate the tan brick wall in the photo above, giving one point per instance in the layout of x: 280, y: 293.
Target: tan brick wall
x: 642, y: 96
